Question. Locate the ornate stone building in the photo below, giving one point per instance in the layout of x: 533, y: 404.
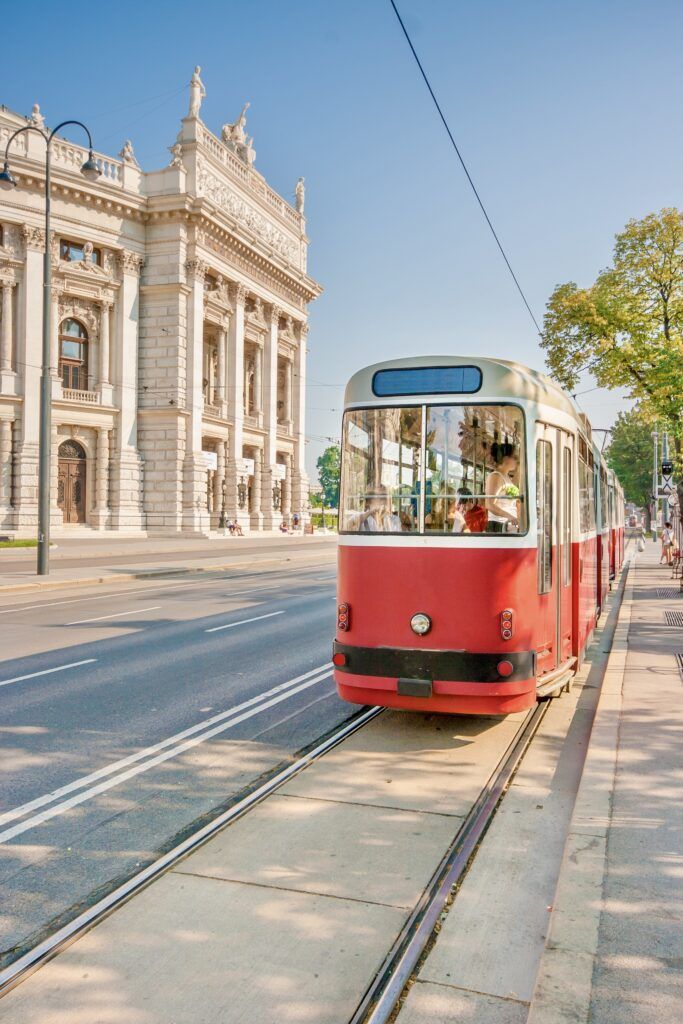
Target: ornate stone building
x: 178, y: 326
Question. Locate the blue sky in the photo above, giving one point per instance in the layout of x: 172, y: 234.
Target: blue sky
x: 567, y: 115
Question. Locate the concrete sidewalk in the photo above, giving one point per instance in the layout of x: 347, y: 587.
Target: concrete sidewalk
x: 614, y: 953
x: 94, y: 562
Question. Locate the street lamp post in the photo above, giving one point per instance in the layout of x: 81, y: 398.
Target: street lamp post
x: 91, y: 171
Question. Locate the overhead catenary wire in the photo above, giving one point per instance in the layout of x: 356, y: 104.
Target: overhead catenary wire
x: 464, y: 167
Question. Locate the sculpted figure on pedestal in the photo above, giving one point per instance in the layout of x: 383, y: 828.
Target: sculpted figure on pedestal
x: 235, y: 136
x: 127, y: 154
x: 300, y: 195
x: 36, y: 118
x: 197, y: 93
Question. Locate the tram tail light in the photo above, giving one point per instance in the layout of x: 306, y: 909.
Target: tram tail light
x: 505, y: 668
x: 506, y: 624
x: 343, y: 618
x: 339, y: 659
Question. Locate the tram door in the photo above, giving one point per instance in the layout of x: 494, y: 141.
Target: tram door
x: 554, y: 467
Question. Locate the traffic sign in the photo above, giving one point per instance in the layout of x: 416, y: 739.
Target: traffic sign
x: 667, y: 468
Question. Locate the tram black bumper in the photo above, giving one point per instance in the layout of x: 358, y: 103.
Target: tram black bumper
x: 451, y: 666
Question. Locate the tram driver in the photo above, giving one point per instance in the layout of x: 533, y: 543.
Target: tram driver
x: 378, y: 516
x: 502, y: 488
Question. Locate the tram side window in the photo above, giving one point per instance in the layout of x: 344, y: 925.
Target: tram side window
x: 380, y: 476
x: 474, y: 469
x: 567, y: 518
x: 586, y: 497
x: 544, y: 515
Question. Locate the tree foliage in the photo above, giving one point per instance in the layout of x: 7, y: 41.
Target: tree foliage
x: 328, y: 473
x: 627, y: 327
x: 630, y: 456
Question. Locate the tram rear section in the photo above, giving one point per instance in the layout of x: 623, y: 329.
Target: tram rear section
x: 479, y: 527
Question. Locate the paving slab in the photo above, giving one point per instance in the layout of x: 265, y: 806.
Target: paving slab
x: 170, y: 957
x: 434, y: 1004
x: 417, y: 762
x: 374, y: 854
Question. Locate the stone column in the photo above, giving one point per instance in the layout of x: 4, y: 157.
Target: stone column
x: 54, y: 335
x: 5, y: 468
x: 288, y: 394
x: 102, y: 470
x: 299, y: 476
x: 258, y: 364
x: 235, y: 402
x: 195, y: 517
x: 104, y: 343
x: 270, y: 519
x: 28, y: 361
x: 7, y: 328
x: 56, y: 517
x: 287, y: 489
x: 220, y: 479
x: 257, y: 493
x: 126, y: 500
x: 221, y: 372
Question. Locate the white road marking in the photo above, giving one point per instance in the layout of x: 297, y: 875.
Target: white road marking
x: 115, y: 766
x: 102, y: 787
x: 143, y: 589
x: 116, y: 615
x: 47, y: 671
x: 243, y: 622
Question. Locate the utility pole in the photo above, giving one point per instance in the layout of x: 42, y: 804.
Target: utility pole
x: 655, y: 485
x: 665, y: 459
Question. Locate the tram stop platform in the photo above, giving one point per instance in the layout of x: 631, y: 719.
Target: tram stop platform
x: 613, y: 950
x: 571, y: 910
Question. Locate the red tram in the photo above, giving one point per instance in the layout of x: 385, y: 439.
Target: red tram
x: 479, y: 527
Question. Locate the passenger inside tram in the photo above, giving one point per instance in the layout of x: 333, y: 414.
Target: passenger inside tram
x: 434, y: 469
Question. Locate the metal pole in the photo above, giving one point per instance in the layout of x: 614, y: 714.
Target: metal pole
x: 45, y: 440
x: 665, y: 458
x: 655, y: 486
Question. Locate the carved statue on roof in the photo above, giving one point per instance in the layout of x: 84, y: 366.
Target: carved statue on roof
x: 197, y: 93
x: 36, y: 118
x: 235, y: 137
x: 300, y: 192
x: 127, y: 154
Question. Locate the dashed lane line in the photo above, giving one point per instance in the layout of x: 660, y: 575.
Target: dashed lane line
x: 115, y: 615
x: 243, y: 622
x: 48, y: 671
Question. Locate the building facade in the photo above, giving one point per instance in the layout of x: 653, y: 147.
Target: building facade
x: 178, y: 336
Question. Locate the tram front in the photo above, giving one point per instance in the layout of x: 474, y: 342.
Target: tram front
x: 438, y: 574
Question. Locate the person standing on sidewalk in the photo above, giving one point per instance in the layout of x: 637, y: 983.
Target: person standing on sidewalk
x: 667, y: 545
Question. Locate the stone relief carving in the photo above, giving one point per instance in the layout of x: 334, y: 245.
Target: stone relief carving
x: 238, y: 293
x: 80, y: 309
x: 237, y: 259
x: 34, y: 238
x: 129, y: 262
x: 223, y: 196
x: 10, y: 242
x: 176, y: 151
x: 196, y: 268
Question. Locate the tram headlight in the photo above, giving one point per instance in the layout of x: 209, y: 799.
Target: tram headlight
x: 420, y: 623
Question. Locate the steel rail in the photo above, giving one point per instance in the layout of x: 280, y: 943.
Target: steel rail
x: 381, y: 997
x: 30, y: 961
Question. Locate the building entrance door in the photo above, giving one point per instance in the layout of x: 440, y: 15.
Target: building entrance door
x: 71, y: 482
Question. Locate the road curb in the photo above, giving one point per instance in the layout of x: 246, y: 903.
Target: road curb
x: 564, y: 984
x: 143, y: 574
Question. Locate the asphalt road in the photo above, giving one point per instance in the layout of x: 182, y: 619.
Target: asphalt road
x: 126, y: 717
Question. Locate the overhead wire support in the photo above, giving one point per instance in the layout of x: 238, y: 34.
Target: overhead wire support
x: 464, y: 167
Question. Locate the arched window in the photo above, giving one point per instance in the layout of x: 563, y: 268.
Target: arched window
x: 73, y: 355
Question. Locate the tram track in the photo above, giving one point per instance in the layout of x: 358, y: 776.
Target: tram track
x: 382, y: 997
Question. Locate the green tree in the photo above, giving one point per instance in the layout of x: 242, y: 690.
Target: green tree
x: 630, y: 456
x: 626, y: 328
x: 328, y: 473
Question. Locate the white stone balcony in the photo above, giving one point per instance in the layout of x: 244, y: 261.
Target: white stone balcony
x: 82, y: 397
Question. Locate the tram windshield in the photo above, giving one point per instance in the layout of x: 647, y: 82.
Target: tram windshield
x: 434, y: 470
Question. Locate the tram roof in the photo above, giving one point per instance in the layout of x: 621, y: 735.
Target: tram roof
x: 500, y: 379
